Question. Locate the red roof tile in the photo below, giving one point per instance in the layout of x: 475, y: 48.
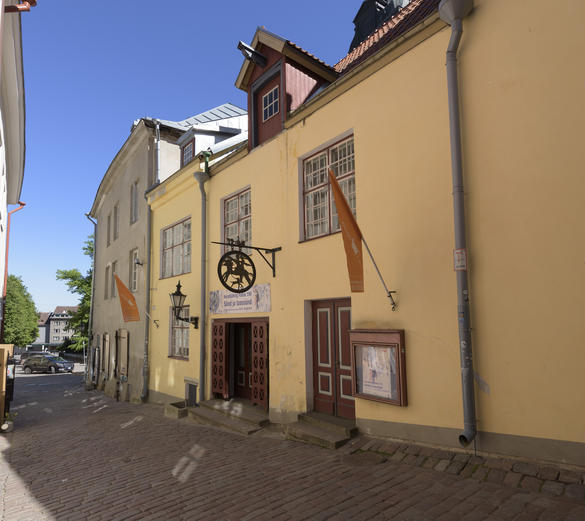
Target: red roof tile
x: 409, y: 16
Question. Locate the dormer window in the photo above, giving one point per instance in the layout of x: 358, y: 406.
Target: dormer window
x: 187, y: 152
x: 270, y: 104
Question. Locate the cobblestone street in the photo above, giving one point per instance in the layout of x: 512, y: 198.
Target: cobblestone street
x: 77, y: 455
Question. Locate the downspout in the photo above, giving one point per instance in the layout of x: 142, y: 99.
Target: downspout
x: 22, y: 205
x: 145, y: 369
x: 453, y: 12
x: 90, y: 325
x: 201, y: 178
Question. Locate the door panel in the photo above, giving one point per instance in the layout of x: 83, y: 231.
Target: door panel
x: 243, y: 360
x: 219, y: 368
x: 260, y: 363
x: 332, y: 364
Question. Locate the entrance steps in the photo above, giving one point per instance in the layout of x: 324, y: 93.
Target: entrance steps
x: 321, y: 429
x: 236, y: 415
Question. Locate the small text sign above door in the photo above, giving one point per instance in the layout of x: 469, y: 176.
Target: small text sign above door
x: 255, y: 300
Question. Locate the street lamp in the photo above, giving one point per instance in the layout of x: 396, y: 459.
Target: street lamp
x: 177, y: 301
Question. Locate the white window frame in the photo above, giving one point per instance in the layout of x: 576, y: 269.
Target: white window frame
x: 188, y: 152
x: 107, y: 277
x: 109, y: 230
x: 242, y: 218
x: 179, y: 330
x: 113, y: 292
x: 175, y: 249
x: 318, y: 206
x: 271, y: 103
x: 134, y: 202
x: 116, y: 221
x: 133, y: 278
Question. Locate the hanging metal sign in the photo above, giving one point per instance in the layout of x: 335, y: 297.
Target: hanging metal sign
x: 236, y: 270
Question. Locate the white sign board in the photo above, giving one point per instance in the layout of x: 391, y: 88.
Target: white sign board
x: 255, y: 300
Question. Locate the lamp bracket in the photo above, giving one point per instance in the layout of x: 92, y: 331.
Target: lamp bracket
x: 236, y: 244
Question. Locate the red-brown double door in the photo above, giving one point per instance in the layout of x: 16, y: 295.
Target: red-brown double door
x: 249, y: 356
x: 332, y: 365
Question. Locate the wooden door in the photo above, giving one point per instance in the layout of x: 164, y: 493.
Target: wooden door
x: 332, y: 366
x: 219, y: 366
x: 260, y: 363
x: 243, y: 360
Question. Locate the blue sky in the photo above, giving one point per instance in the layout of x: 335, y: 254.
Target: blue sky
x: 92, y: 68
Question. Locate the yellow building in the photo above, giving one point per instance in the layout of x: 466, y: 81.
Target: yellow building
x: 380, y: 120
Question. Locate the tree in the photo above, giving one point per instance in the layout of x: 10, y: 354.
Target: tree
x: 20, y: 315
x: 81, y: 285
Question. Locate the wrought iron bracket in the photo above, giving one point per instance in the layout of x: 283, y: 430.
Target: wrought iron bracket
x: 242, y: 244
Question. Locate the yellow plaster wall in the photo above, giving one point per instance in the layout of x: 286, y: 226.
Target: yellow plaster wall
x: 174, y: 201
x: 524, y: 195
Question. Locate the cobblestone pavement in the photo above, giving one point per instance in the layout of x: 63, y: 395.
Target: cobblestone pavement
x: 77, y: 455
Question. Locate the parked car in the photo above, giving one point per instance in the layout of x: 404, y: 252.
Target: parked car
x: 46, y: 364
x: 26, y: 354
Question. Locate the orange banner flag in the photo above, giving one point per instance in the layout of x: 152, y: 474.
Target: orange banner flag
x: 128, y: 302
x: 352, y: 237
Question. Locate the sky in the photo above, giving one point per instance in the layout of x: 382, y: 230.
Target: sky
x: 92, y: 68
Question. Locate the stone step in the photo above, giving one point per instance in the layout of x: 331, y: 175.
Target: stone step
x: 239, y: 409
x: 302, y: 431
x: 341, y: 426
x: 206, y: 416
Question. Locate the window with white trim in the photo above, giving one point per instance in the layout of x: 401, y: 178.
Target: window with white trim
x: 113, y: 287
x: 134, y: 270
x: 320, y: 214
x: 187, y: 152
x: 179, y: 341
x: 107, y: 282
x: 270, y: 103
x: 134, y: 202
x: 237, y: 217
x: 109, y: 232
x: 116, y: 221
x: 176, y: 256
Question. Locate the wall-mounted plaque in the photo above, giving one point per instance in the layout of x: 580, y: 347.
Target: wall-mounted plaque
x: 379, y: 365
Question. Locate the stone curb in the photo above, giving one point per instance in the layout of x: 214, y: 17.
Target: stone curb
x: 530, y: 476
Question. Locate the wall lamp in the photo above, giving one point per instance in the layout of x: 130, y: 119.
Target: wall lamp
x: 177, y: 301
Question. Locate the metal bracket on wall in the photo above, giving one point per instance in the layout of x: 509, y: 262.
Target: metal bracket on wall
x: 242, y: 244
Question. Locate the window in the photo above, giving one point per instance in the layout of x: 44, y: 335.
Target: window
x: 57, y: 330
x: 116, y: 222
x: 113, y: 287
x: 107, y: 282
x: 134, y: 270
x: 237, y: 217
x: 109, y: 232
x: 319, y: 207
x: 176, y: 258
x: 55, y: 339
x: 187, y: 152
x: 134, y: 202
x: 270, y: 104
x: 179, y: 341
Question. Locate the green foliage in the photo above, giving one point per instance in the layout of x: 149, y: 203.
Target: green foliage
x: 20, y: 323
x: 81, y: 285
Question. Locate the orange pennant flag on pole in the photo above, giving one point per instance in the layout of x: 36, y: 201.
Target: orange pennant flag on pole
x: 352, y: 237
x: 128, y: 302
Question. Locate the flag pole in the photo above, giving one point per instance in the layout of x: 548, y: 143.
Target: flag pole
x: 388, y: 292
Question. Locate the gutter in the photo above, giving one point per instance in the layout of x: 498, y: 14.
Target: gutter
x: 22, y: 205
x: 202, y: 178
x: 90, y: 325
x: 452, y: 12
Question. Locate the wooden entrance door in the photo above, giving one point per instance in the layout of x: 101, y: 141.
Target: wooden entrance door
x: 242, y: 360
x: 332, y: 364
x: 220, y: 373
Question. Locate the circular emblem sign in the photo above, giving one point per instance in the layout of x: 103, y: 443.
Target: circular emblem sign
x: 236, y: 271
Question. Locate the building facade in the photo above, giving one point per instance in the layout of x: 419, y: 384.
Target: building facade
x: 152, y: 152
x: 299, y: 339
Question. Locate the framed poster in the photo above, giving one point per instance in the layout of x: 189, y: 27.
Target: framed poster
x: 379, y: 365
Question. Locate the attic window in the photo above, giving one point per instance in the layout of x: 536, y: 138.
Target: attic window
x: 270, y: 104
x: 187, y: 152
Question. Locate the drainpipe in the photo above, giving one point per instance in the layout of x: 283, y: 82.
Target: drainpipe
x: 201, y: 178
x: 90, y: 325
x: 145, y: 370
x: 453, y: 12
x: 22, y: 205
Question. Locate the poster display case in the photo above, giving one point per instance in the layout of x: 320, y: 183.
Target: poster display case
x: 379, y: 365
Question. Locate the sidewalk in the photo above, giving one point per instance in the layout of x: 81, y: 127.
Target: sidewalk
x: 77, y: 455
